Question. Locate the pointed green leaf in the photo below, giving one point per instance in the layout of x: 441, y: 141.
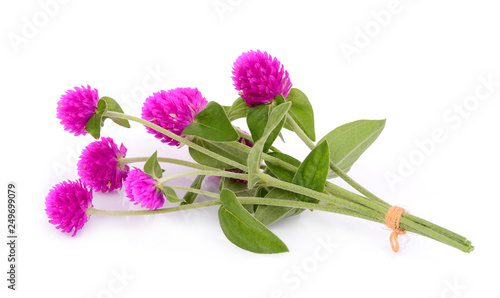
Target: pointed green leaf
x: 279, y: 99
x: 240, y: 189
x: 220, y: 148
x: 212, y: 124
x: 152, y: 167
x: 237, y: 110
x: 349, y: 141
x: 257, y: 118
x: 113, y: 106
x: 189, y: 197
x: 268, y: 214
x: 313, y: 171
x: 302, y: 112
x: 170, y: 194
x: 255, y: 155
x: 95, y: 122
x: 281, y: 173
x: 243, y: 230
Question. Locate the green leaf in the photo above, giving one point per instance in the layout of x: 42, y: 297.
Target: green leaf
x: 243, y: 230
x: 268, y: 214
x: 255, y: 155
x: 113, y: 106
x: 313, y: 171
x: 189, y: 197
x: 152, y: 167
x: 95, y: 122
x: 257, y: 118
x: 239, y: 189
x: 302, y: 112
x: 349, y: 141
x: 237, y: 110
x: 279, y: 99
x: 212, y: 124
x: 170, y: 194
x: 281, y: 173
x: 220, y: 148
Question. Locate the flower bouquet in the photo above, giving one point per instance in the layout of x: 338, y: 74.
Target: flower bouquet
x: 259, y: 185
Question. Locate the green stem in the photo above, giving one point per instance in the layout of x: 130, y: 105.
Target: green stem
x: 92, y: 210
x: 206, y: 173
x: 271, y: 181
x: 242, y: 200
x: 180, y: 139
x: 284, y: 203
x: 244, y: 135
x: 168, y: 160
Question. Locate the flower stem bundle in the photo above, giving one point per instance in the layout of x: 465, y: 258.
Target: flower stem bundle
x: 259, y: 185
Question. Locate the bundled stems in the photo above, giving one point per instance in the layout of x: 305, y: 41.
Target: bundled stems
x: 334, y: 199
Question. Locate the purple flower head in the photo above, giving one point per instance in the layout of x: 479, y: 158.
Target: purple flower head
x: 76, y: 107
x: 173, y: 110
x: 142, y: 189
x: 99, y: 165
x: 66, y: 204
x: 259, y: 78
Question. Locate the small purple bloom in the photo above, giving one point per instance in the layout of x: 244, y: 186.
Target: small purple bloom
x: 259, y: 78
x: 66, y: 205
x: 173, y: 110
x: 99, y: 165
x: 76, y: 107
x: 141, y: 189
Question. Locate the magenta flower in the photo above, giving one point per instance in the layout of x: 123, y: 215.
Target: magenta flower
x: 173, y: 110
x: 141, y: 189
x: 66, y: 205
x: 259, y: 78
x: 76, y: 107
x: 99, y: 165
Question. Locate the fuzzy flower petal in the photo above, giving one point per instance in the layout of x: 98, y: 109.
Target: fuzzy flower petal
x: 66, y: 204
x: 173, y: 110
x: 141, y: 189
x: 76, y: 107
x: 99, y: 165
x: 259, y: 78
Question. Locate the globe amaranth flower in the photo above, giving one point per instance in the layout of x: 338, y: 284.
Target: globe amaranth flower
x: 259, y: 78
x: 66, y: 205
x: 141, y: 189
x: 99, y: 165
x: 173, y: 110
x: 76, y: 107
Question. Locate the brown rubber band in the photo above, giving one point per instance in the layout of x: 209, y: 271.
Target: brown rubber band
x: 392, y: 222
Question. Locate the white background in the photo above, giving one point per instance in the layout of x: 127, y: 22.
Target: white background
x: 420, y: 61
